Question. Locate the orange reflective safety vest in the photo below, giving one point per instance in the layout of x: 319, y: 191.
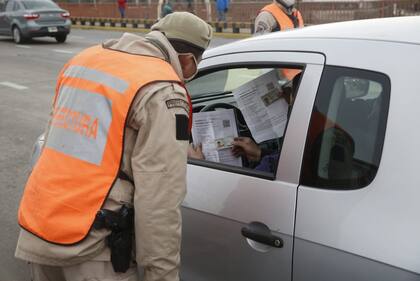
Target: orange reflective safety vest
x: 285, y: 22
x: 83, y: 151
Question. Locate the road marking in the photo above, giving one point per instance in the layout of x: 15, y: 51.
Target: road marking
x: 62, y: 51
x: 76, y: 37
x: 13, y: 85
x: 23, y: 46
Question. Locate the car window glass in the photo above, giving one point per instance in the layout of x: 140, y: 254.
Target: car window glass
x: 9, y: 6
x: 39, y: 4
x: 2, y: 6
x: 239, y: 118
x: 223, y: 81
x: 346, y: 133
x: 16, y: 6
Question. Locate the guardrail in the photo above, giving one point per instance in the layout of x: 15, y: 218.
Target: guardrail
x: 313, y: 12
x: 223, y: 27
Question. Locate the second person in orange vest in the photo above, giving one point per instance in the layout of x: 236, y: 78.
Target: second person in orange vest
x: 113, y: 167
x: 278, y: 16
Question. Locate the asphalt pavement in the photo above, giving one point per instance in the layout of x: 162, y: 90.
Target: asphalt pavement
x: 27, y: 81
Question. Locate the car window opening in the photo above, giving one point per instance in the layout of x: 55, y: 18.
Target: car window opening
x: 239, y: 118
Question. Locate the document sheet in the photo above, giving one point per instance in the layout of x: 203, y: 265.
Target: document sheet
x: 215, y: 130
x: 262, y: 105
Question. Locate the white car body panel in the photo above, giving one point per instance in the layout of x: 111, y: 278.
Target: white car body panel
x: 224, y: 196
x: 378, y: 222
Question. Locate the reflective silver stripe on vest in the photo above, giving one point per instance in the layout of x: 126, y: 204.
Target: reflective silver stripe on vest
x: 97, y: 76
x: 80, y: 124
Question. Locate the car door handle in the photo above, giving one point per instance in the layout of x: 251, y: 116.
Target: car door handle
x: 259, y: 232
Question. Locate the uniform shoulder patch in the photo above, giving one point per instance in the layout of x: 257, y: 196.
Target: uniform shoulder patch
x: 261, y: 27
x: 178, y: 103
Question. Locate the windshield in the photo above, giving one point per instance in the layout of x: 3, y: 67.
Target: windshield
x: 33, y: 5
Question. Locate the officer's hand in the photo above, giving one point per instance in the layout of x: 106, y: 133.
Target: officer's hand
x: 195, y: 152
x: 244, y: 146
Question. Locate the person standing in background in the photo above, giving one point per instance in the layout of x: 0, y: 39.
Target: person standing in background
x: 278, y: 16
x: 222, y: 9
x: 166, y: 9
x: 121, y: 7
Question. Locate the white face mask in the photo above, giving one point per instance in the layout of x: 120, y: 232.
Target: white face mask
x: 186, y: 79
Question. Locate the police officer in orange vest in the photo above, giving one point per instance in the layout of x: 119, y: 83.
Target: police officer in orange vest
x: 278, y: 16
x: 104, y: 197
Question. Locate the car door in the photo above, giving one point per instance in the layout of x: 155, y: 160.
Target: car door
x: 353, y: 209
x: 3, y: 15
x: 6, y: 18
x: 225, y: 203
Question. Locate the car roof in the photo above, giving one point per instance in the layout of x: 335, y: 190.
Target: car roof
x: 397, y: 29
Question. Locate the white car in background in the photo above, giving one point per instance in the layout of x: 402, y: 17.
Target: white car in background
x: 339, y: 198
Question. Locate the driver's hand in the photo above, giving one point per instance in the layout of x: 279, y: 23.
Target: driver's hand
x: 244, y: 146
x: 195, y: 152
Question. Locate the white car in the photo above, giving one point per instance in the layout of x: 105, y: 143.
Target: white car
x: 335, y: 193
x: 338, y: 194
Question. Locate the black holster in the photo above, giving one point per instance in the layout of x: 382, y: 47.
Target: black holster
x: 120, y: 241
